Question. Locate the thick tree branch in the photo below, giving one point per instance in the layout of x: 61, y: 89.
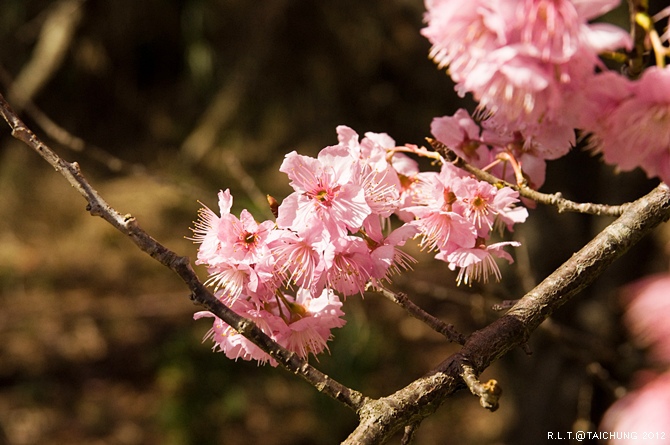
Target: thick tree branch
x: 127, y: 225
x: 381, y: 418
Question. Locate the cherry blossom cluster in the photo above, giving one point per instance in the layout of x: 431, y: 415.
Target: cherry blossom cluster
x: 506, y: 156
x: 456, y: 214
x: 533, y: 67
x: 335, y: 235
x: 630, y: 120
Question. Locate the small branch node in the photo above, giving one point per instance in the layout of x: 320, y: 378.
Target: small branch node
x: 410, y: 431
x: 504, y: 305
x: 94, y: 209
x: 489, y: 393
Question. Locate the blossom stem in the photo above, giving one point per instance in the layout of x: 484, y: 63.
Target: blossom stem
x: 420, y: 151
x: 281, y: 299
x: 638, y: 10
x: 645, y: 22
x: 555, y: 199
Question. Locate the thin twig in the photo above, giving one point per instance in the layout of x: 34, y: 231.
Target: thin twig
x: 410, y: 431
x: 504, y: 305
x: 127, y: 225
x: 489, y: 393
x: 556, y: 199
x: 415, y: 311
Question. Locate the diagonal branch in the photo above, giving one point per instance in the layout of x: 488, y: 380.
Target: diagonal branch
x: 446, y: 329
x: 127, y: 225
x: 381, y: 418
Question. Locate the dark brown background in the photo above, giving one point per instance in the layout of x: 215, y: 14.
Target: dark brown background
x: 97, y: 344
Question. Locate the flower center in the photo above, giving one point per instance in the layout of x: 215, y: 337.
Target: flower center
x: 248, y: 239
x: 479, y: 203
x: 324, y: 195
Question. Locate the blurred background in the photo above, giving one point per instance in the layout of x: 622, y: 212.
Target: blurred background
x: 164, y: 103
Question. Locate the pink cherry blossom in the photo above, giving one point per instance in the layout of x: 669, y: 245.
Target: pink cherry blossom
x: 351, y: 268
x: 386, y: 258
x: 302, y: 325
x: 407, y: 170
x: 234, y: 250
x: 207, y: 228
x: 377, y: 177
x: 325, y: 192
x: 312, y: 320
x: 647, y: 309
x: 463, y: 33
x: 525, y: 61
x: 462, y: 135
x: 477, y: 262
x: 382, y: 190
x: 445, y: 231
x: 550, y: 28
x: 244, y: 240
x: 456, y: 214
x: 646, y: 409
x: 632, y: 128
x: 522, y: 93
x: 487, y: 206
x: 510, y: 83
x: 334, y: 234
x: 213, y: 233
x: 230, y: 280
x: 234, y: 344
x: 508, y: 213
x: 440, y: 226
x: 476, y: 199
x: 302, y: 259
x: 490, y: 149
x: 527, y: 152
